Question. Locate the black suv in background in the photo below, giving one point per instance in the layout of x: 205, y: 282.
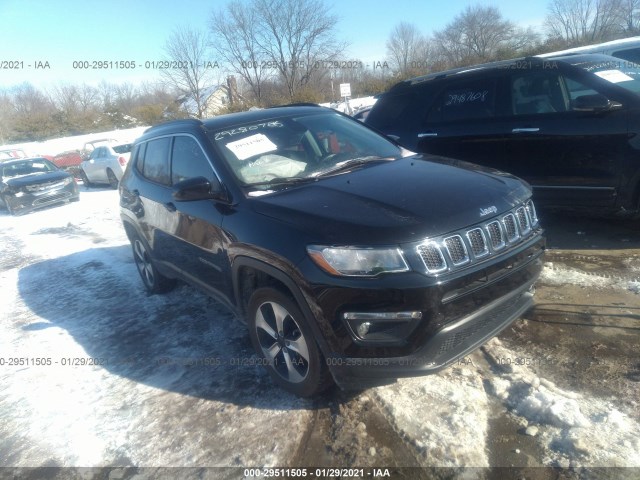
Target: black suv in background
x: 570, y: 125
x: 345, y: 259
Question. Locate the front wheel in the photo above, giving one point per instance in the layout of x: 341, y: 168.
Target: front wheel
x: 281, y: 336
x: 85, y: 179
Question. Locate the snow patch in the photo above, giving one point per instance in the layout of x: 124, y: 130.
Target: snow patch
x: 588, y: 432
x: 444, y: 415
x: 559, y: 275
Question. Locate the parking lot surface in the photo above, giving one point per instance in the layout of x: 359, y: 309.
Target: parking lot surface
x: 96, y: 373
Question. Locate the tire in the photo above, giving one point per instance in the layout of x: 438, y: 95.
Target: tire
x: 282, y: 338
x: 152, y: 279
x: 85, y: 179
x: 113, y: 180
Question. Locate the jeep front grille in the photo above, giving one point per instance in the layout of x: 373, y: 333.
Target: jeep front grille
x: 491, y: 238
x: 495, y: 234
x: 432, y: 257
x: 478, y: 243
x: 457, y: 250
x: 509, y: 222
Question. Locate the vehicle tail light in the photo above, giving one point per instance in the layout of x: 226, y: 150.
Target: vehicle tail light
x: 122, y: 161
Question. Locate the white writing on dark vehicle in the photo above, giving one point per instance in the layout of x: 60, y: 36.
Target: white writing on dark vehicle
x: 466, y: 97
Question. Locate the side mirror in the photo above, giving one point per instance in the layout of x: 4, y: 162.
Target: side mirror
x: 593, y: 103
x: 198, y: 188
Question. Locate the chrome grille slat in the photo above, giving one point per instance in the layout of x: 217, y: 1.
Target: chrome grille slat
x: 495, y: 235
x: 457, y: 250
x: 432, y: 258
x: 509, y: 222
x: 523, y: 221
x: 489, y: 238
x: 533, y: 215
x: 477, y: 242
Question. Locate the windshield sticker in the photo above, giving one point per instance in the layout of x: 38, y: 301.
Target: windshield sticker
x: 250, y: 128
x: 614, y: 76
x: 251, y: 146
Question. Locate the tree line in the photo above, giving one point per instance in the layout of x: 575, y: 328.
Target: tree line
x: 283, y: 51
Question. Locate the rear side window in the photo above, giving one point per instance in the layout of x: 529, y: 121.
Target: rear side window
x: 155, y: 166
x: 391, y: 110
x: 188, y: 160
x: 138, y: 156
x: 471, y: 100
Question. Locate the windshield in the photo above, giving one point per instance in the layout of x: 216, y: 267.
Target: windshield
x: 299, y: 148
x: 622, y: 73
x: 27, y: 167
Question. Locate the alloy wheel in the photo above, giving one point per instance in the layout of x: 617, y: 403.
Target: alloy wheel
x: 282, y: 342
x: 143, y: 263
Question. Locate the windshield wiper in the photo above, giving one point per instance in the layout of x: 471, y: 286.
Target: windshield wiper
x: 282, y: 181
x: 348, y: 165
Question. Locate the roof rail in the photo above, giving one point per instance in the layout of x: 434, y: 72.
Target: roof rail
x: 297, y: 104
x: 186, y: 121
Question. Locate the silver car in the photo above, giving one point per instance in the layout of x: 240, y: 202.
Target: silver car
x: 105, y: 165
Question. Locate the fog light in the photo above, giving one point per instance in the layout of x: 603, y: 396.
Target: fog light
x: 390, y: 328
x: 363, y: 329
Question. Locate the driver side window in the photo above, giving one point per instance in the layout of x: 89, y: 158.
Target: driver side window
x: 188, y: 160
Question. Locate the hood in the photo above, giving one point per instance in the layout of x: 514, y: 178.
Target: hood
x: 36, y: 178
x: 396, y: 202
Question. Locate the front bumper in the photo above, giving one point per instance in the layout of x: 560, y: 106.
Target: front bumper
x: 459, y: 314
x: 441, y: 350
x: 27, y: 202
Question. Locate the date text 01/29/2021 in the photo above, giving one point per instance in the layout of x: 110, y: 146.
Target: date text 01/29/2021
x: 316, y: 472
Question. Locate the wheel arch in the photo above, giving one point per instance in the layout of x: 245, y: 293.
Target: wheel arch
x: 250, y: 274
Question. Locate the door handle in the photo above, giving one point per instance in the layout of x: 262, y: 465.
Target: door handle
x: 170, y: 206
x: 427, y: 134
x: 525, y: 130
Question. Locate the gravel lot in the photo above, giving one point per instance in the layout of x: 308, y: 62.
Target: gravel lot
x: 96, y: 373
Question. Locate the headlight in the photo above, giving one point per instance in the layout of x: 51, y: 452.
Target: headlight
x: 358, y: 262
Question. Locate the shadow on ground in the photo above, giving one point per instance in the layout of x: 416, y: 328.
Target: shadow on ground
x: 183, y: 341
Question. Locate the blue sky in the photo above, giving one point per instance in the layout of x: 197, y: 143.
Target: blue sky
x: 63, y: 31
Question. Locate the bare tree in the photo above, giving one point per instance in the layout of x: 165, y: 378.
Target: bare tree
x: 276, y: 39
x: 187, y: 50
x: 580, y: 22
x: 477, y: 34
x: 297, y: 35
x: 235, y: 42
x: 6, y: 109
x: 629, y: 18
x: 34, y: 115
x: 408, y: 50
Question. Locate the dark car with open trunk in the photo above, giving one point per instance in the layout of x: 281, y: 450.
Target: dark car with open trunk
x: 347, y: 258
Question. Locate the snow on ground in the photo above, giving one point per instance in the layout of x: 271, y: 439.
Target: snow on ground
x: 76, y: 142
x: 96, y: 372
x: 561, y: 275
x: 445, y: 416
x: 576, y: 431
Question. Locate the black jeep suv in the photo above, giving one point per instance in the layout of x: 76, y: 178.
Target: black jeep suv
x: 347, y: 259
x: 570, y: 126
